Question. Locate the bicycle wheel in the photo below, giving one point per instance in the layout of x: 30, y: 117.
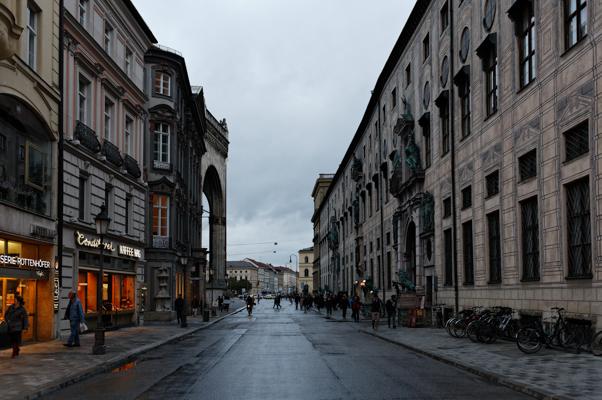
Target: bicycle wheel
x: 568, y: 337
x: 459, y: 328
x: 448, y: 326
x: 529, y: 340
x: 486, y: 333
x: 597, y: 344
x: 471, y: 331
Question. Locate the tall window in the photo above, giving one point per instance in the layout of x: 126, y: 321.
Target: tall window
x: 161, y: 152
x: 109, y: 112
x: 443, y: 17
x: 527, y: 165
x: 108, y: 38
x: 426, y: 47
x: 578, y: 229
x: 576, y: 141
x: 530, y: 239
x: 128, y: 62
x: 83, y: 196
x: 495, y: 256
x: 575, y: 21
x: 491, y: 80
x: 467, y: 248
x: 109, y: 198
x: 408, y: 74
x: 32, y: 35
x: 526, y: 44
x: 128, y: 209
x: 160, y: 215
x: 306, y: 273
x: 162, y: 83
x: 492, y: 183
x: 444, y: 110
x: 82, y: 99
x: 426, y: 134
x: 394, y: 98
x: 447, y: 207
x: 464, y: 91
x: 466, y: 197
x: 127, y: 142
x: 83, y: 12
x: 447, y: 247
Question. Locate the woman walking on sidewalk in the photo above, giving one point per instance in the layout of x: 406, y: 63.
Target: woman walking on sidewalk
x: 17, y: 320
x: 355, y: 309
x: 344, y: 304
x: 375, y: 309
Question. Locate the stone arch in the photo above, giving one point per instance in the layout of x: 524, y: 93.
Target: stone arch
x: 213, y: 189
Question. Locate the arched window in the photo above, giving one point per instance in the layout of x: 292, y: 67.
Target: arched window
x: 306, y: 272
x: 306, y: 259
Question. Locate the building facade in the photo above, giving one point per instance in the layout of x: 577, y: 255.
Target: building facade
x: 174, y: 151
x: 306, y: 270
x: 321, y: 278
x: 240, y: 270
x: 29, y: 134
x: 104, y: 127
x: 473, y: 175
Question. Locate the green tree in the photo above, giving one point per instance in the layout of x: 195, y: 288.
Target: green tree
x: 237, y: 285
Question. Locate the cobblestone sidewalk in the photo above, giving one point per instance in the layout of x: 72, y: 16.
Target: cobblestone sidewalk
x: 548, y: 374
x: 43, y: 367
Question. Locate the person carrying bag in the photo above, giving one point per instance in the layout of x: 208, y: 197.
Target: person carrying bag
x: 17, y: 319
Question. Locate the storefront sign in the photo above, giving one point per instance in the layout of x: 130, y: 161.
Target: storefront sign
x: 82, y: 240
x: 56, y: 290
x: 129, y: 251
x: 24, y: 262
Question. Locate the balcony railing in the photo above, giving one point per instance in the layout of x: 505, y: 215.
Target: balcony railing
x: 161, y: 242
x: 112, y: 153
x: 131, y: 166
x: 87, y: 137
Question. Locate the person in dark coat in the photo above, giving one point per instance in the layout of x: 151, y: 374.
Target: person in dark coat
x: 297, y: 298
x: 179, y: 306
x: 17, y: 320
x: 375, y: 309
x: 390, y: 307
x: 355, y: 309
x: 344, y: 303
x: 75, y: 314
x: 196, y: 304
x: 250, y: 304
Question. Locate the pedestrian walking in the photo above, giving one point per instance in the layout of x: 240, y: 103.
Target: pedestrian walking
x: 196, y: 304
x: 220, y: 303
x: 344, y: 303
x: 297, y: 299
x: 179, y: 306
x: 250, y: 304
x: 329, y: 301
x: 390, y: 307
x: 16, y: 318
x: 75, y: 314
x: 355, y: 309
x: 375, y: 309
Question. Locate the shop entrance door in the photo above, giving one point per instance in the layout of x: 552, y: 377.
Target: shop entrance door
x: 9, y: 289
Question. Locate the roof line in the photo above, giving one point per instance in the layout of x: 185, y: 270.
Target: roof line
x: 400, y: 45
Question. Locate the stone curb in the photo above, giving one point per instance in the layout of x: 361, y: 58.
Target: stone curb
x: 117, y: 361
x: 490, y: 376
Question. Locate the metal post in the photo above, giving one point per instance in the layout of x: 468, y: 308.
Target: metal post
x: 99, y: 332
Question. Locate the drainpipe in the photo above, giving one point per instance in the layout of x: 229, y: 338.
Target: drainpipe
x: 380, y: 200
x: 59, y: 199
x: 453, y: 156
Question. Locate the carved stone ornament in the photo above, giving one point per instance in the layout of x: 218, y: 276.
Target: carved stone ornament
x: 427, y: 213
x: 356, y: 169
x: 412, y: 153
x: 10, y: 32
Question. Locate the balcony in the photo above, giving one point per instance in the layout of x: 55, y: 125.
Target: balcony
x: 131, y: 166
x: 87, y: 137
x: 112, y: 153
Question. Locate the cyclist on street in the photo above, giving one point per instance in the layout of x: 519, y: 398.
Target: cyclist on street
x: 250, y: 304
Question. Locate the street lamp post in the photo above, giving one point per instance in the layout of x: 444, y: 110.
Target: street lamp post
x: 290, y: 260
x: 102, y: 222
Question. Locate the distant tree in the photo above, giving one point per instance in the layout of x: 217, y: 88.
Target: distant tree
x: 237, y: 285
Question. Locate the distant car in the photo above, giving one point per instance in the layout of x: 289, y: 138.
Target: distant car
x: 242, y: 296
x: 269, y: 296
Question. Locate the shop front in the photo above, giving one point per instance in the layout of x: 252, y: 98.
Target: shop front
x: 118, y: 280
x: 26, y: 269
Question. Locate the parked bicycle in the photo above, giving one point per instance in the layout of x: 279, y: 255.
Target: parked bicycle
x: 531, y: 339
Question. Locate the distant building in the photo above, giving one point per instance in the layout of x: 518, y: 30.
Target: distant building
x: 240, y: 270
x: 323, y: 278
x: 267, y: 276
x: 287, y: 280
x: 306, y: 270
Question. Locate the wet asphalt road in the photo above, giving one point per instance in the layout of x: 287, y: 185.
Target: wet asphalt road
x: 284, y: 354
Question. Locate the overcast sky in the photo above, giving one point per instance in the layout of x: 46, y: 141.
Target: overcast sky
x: 292, y: 78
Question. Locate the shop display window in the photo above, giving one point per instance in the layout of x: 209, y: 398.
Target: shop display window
x: 118, y: 291
x: 9, y: 289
